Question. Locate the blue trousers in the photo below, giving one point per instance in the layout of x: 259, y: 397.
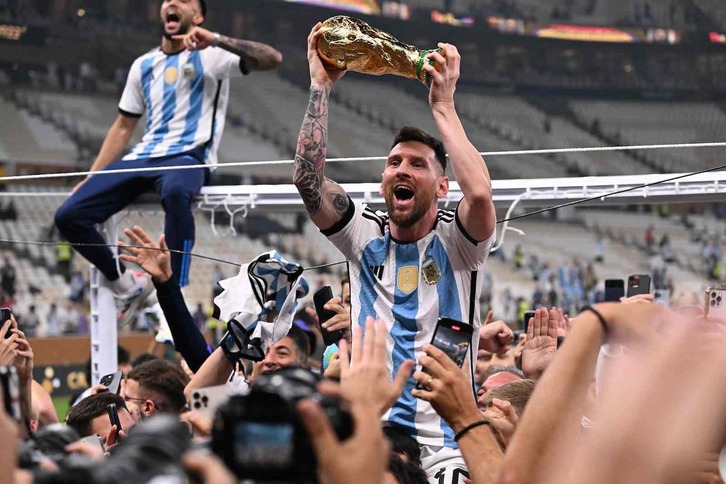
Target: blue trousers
x: 104, y: 195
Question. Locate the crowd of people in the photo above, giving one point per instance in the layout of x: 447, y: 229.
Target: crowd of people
x: 397, y: 378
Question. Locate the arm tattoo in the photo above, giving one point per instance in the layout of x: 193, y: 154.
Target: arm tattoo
x: 312, y: 146
x: 255, y: 55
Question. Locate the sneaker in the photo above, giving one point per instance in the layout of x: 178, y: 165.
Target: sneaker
x: 163, y: 335
x: 128, y: 303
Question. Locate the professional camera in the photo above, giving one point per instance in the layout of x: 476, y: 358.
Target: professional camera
x: 259, y: 435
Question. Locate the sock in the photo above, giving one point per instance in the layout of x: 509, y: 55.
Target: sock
x: 124, y: 284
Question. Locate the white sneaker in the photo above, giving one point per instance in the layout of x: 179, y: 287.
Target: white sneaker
x: 128, y: 303
x: 163, y: 334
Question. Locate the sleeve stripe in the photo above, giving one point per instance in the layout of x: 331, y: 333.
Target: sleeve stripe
x: 129, y: 114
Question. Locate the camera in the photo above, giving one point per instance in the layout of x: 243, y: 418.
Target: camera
x: 259, y: 435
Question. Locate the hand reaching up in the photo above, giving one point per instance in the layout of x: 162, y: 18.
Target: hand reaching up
x: 541, y: 343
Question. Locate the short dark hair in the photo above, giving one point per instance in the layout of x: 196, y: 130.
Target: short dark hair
x: 167, y: 381
x: 143, y: 358
x: 91, y: 407
x: 301, y: 341
x: 411, y: 133
x: 402, y: 443
x: 203, y: 6
x: 406, y: 472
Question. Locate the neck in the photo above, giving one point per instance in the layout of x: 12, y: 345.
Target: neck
x: 170, y: 46
x: 417, y: 231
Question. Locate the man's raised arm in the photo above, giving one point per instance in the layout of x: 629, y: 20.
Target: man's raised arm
x: 254, y: 56
x: 476, y: 210
x: 325, y: 200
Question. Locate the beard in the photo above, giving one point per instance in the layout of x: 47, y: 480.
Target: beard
x: 406, y: 220
x: 184, y: 27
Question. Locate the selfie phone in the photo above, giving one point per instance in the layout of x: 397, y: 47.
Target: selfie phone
x: 453, y: 338
x: 614, y: 290
x: 715, y: 303
x: 113, y: 416
x: 638, y: 284
x: 94, y: 440
x: 206, y: 400
x: 320, y: 299
x: 112, y: 381
x: 527, y: 316
x: 11, y: 392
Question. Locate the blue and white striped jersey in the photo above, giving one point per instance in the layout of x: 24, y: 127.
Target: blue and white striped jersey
x: 410, y: 286
x: 184, y: 97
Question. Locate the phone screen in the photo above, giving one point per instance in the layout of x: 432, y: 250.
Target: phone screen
x: 264, y: 443
x: 614, y: 290
x: 453, y: 341
x: 527, y: 316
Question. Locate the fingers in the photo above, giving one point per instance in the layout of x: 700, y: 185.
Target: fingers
x: 338, y: 322
x: 356, y: 343
x: 315, y: 34
x: 537, y: 327
x: 553, y: 323
x: 5, y: 328
x: 162, y: 242
x: 318, y: 427
x: 506, y: 408
x: 489, y: 318
x: 404, y: 371
x: 345, y: 358
x: 112, y: 436
x: 369, y: 339
x: 314, y: 315
x: 436, y: 361
x: 380, y: 351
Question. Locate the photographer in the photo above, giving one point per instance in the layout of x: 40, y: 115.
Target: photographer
x: 15, y: 351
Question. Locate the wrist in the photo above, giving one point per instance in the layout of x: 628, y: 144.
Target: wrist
x: 216, y: 37
x: 465, y: 418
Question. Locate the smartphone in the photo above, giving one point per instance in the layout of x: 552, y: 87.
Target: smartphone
x: 11, y: 392
x: 453, y: 338
x: 206, y: 400
x: 113, y: 416
x: 715, y: 303
x: 5, y: 314
x: 527, y: 316
x: 638, y: 284
x: 112, y: 381
x: 94, y: 440
x: 614, y: 290
x: 320, y: 299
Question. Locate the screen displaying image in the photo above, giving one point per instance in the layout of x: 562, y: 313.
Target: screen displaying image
x: 454, y: 343
x: 262, y: 443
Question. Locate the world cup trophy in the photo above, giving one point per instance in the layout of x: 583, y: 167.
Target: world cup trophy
x: 348, y: 43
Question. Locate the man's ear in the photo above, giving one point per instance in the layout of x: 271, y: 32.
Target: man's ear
x: 443, y: 189
x: 148, y: 407
x: 198, y: 19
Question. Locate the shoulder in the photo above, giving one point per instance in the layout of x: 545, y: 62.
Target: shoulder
x: 377, y: 217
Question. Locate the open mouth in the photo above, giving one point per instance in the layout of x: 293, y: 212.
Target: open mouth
x: 172, y: 20
x: 403, y: 193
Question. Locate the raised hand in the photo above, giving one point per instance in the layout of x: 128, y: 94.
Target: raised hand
x: 503, y: 419
x: 8, y: 346
x: 321, y: 74
x: 364, y: 377
x: 152, y: 257
x: 443, y: 80
x: 197, y: 38
x: 447, y: 389
x: 541, y: 343
x: 495, y: 337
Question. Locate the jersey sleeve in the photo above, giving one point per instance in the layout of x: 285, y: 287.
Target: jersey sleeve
x: 470, y: 254
x: 358, y: 226
x: 132, y: 100
x: 223, y: 64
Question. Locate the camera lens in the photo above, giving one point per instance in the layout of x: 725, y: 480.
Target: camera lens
x: 713, y: 303
x: 713, y: 294
x: 718, y: 299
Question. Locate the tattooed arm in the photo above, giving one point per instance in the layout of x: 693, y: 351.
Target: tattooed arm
x: 325, y: 200
x: 254, y: 56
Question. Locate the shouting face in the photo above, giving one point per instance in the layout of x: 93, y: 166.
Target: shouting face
x: 179, y: 16
x: 412, y: 183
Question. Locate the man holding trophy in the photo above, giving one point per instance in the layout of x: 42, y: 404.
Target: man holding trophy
x: 414, y: 264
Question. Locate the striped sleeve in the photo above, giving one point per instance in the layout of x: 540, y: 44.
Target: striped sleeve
x: 132, y: 100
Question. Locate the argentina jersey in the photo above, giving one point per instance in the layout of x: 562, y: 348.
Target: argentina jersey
x: 184, y: 97
x: 410, y: 286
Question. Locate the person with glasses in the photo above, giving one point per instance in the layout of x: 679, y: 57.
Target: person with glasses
x: 155, y: 387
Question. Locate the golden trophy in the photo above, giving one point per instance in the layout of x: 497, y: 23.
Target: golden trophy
x: 348, y: 43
